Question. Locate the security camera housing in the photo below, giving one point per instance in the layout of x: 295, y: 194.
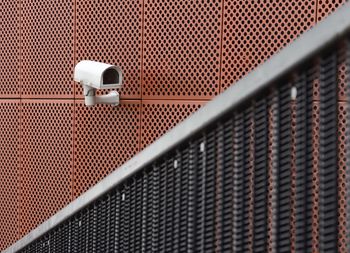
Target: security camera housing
x: 97, y: 75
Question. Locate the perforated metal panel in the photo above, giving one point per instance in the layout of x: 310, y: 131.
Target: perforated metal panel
x: 9, y: 163
x: 47, y: 48
x: 104, y: 138
x: 111, y: 31
x: 254, y: 30
x: 160, y: 116
x: 181, y: 55
x: 342, y: 72
x: 46, y: 159
x: 315, y: 175
x: 342, y: 194
x: 9, y: 49
x: 326, y: 7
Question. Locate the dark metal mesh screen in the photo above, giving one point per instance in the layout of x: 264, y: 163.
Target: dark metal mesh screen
x: 262, y: 178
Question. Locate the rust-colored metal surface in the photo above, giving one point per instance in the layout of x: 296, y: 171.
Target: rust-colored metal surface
x: 254, y: 30
x: 181, y: 49
x: 342, y: 198
x: 315, y: 70
x: 342, y: 72
x: 46, y: 160
x: 47, y: 48
x: 9, y: 49
x: 160, y: 116
x: 9, y: 161
x: 111, y: 31
x: 315, y: 175
x: 326, y: 7
x: 104, y: 138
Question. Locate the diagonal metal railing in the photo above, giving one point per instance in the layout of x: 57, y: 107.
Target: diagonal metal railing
x: 261, y: 168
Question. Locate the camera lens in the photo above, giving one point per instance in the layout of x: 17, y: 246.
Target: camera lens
x: 110, y: 76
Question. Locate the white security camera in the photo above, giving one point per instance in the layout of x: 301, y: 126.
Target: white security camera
x: 97, y: 75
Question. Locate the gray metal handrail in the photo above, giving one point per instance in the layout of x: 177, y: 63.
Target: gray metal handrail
x: 309, y: 44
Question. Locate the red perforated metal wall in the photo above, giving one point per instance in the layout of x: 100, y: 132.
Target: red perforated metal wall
x: 46, y: 159
x: 254, y: 30
x: 9, y: 162
x: 47, y: 48
x: 175, y: 56
x: 104, y: 138
x: 181, y: 55
x: 9, y: 49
